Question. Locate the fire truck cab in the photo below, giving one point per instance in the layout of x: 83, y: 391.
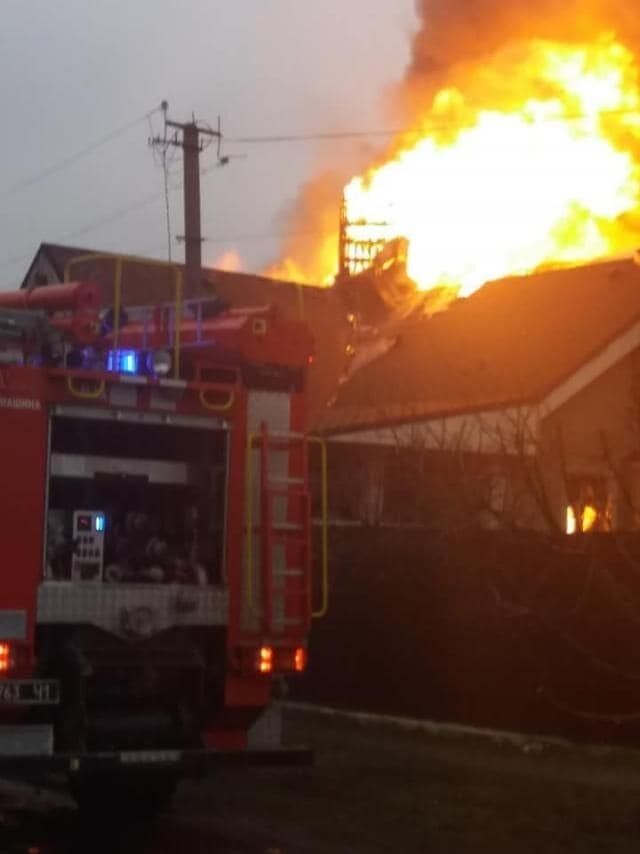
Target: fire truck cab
x: 155, y: 520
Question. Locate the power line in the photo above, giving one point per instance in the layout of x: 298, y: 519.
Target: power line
x: 265, y: 235
x: 167, y: 206
x: 71, y: 159
x: 311, y: 137
x: 92, y: 226
x: 112, y: 216
x: 163, y: 145
x: 420, y: 130
x: 139, y: 204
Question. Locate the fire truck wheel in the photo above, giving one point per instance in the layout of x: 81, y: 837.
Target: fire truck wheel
x: 141, y: 796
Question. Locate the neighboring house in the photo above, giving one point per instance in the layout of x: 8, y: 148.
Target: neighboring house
x: 519, y: 406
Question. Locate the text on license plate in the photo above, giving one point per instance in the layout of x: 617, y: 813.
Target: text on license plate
x: 38, y: 692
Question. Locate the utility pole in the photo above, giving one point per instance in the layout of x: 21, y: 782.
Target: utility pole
x: 189, y: 137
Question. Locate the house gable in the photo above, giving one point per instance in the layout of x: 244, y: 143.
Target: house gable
x: 42, y: 270
x: 592, y: 369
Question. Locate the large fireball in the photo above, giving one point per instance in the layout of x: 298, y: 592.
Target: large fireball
x: 528, y: 157
x: 546, y: 174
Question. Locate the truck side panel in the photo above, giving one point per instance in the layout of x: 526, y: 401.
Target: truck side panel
x: 23, y: 449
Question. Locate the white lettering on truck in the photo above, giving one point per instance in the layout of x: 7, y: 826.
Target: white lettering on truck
x: 20, y: 403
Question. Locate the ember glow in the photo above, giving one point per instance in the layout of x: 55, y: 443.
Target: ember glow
x: 551, y: 177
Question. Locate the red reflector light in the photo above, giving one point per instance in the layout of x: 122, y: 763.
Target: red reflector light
x: 265, y: 659
x: 6, y: 657
x: 300, y: 659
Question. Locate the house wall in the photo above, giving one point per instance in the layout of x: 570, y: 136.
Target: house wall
x: 355, y: 483
x: 595, y: 437
x: 441, y: 490
x: 590, y: 442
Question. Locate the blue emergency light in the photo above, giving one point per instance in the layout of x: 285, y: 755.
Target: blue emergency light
x: 100, y: 523
x: 123, y: 361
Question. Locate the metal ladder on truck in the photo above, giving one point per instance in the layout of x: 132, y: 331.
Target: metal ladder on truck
x: 280, y: 536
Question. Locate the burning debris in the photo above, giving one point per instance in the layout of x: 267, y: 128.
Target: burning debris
x: 523, y: 150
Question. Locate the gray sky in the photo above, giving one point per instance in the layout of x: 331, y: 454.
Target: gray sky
x: 73, y: 71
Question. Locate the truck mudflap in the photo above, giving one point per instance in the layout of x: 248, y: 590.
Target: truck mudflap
x: 186, y: 763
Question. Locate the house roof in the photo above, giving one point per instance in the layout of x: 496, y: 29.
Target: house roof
x: 147, y: 282
x: 510, y: 343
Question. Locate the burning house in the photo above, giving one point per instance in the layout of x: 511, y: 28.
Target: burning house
x: 517, y: 406
x: 519, y: 166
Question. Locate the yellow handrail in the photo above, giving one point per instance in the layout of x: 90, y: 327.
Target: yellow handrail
x: 217, y: 407
x: 249, y: 517
x: 324, y: 510
x: 120, y: 260
x: 117, y: 299
x: 92, y: 394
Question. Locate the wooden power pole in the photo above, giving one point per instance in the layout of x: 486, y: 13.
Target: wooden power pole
x: 188, y: 137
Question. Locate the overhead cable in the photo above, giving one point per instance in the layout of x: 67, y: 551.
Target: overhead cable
x: 71, y: 159
x: 420, y: 130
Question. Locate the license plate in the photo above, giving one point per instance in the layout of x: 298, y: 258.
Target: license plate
x: 32, y: 692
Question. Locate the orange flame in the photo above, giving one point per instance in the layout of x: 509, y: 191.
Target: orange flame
x: 549, y: 178
x: 588, y: 518
x: 527, y: 159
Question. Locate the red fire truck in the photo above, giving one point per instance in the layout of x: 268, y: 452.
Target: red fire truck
x: 155, y: 516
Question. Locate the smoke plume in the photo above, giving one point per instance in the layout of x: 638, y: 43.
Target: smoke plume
x: 312, y: 220
x: 454, y: 32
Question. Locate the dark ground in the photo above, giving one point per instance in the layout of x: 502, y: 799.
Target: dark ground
x: 375, y: 789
